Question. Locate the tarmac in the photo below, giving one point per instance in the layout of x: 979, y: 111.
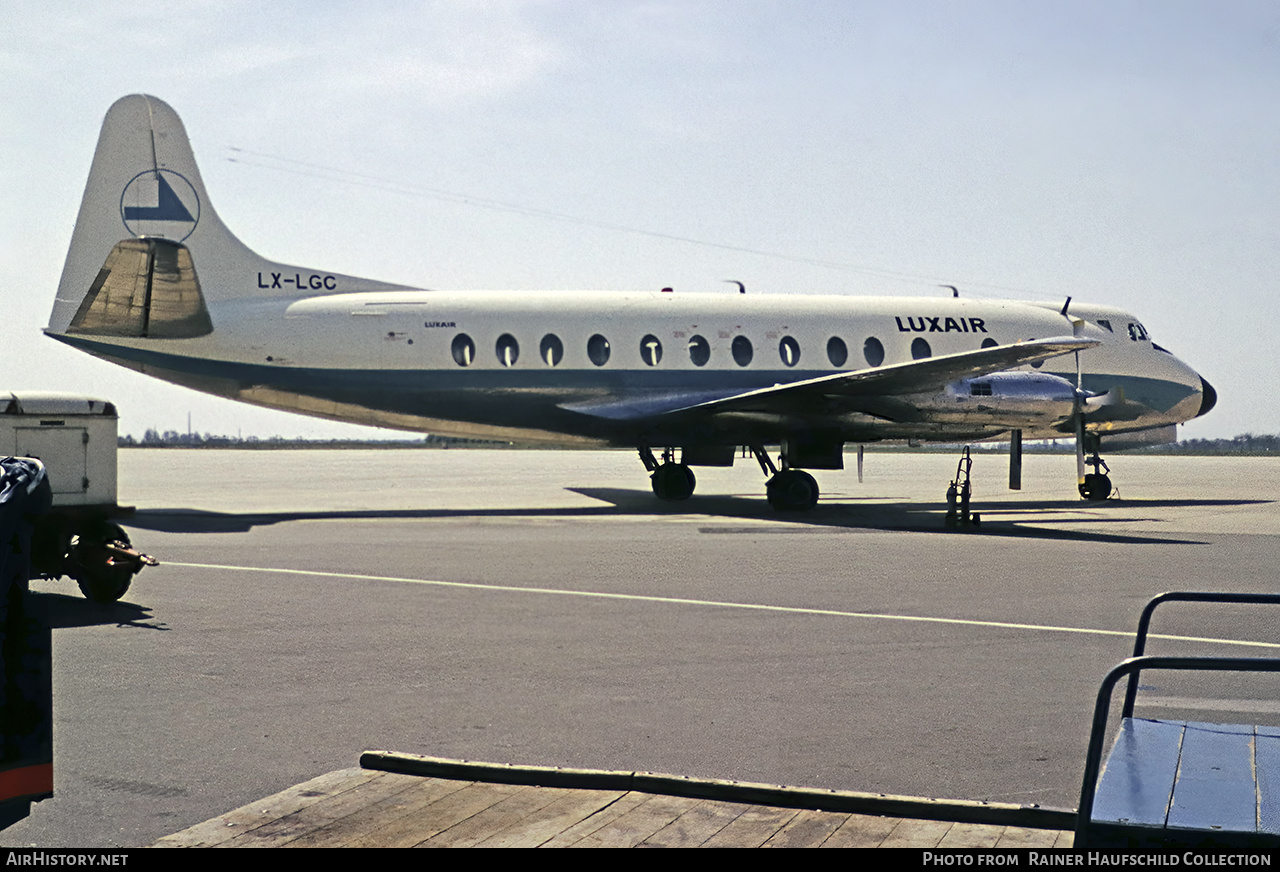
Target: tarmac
x: 541, y: 610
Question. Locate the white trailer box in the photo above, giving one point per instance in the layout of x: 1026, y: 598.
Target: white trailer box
x: 75, y: 438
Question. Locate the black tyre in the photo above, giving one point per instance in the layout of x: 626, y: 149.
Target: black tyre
x: 792, y: 490
x: 1096, y: 487
x: 673, y: 482
x: 100, y: 580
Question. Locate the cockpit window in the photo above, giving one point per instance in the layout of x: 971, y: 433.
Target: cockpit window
x: 1137, y: 332
x: 1105, y: 325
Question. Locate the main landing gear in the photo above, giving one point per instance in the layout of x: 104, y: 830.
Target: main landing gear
x: 788, y: 489
x: 671, y: 481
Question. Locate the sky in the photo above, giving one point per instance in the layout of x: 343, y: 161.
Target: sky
x: 1120, y: 152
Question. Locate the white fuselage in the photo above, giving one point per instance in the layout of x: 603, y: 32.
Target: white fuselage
x: 505, y: 364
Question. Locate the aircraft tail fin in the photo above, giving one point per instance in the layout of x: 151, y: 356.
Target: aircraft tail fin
x: 148, y: 247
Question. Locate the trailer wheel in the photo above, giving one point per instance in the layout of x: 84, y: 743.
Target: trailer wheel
x: 101, y: 580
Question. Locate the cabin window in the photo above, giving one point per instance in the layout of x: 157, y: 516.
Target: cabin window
x: 789, y: 351
x: 989, y: 343
x: 699, y: 350
x: 551, y: 349
x: 651, y: 350
x: 979, y: 389
x: 837, y: 351
x: 507, y: 349
x: 873, y: 351
x: 742, y: 350
x: 464, y: 350
x: 598, y: 350
x: 920, y: 349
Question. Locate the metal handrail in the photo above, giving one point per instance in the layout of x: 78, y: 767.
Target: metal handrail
x: 1144, y: 623
x: 1101, y: 710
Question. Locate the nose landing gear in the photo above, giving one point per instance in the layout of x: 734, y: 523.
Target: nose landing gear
x: 1096, y: 485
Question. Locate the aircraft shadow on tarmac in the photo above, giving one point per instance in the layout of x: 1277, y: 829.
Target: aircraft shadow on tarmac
x: 835, y: 515
x: 62, y: 611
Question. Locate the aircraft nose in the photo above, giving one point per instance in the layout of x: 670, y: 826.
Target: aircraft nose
x: 1208, y: 397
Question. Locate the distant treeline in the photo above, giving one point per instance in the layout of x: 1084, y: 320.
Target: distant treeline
x: 174, y: 439
x: 1246, y: 444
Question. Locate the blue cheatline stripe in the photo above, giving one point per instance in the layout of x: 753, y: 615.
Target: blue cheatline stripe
x: 794, y: 610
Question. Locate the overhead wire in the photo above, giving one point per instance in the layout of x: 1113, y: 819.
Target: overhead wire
x: 294, y: 166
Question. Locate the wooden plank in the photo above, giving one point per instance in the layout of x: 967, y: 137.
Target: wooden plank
x: 639, y: 823
x: 862, y: 831
x: 693, y: 828
x: 972, y: 836
x: 1137, y: 783
x: 290, y: 827
x: 572, y: 808
x: 808, y: 829
x: 1215, y: 788
x: 606, y: 815
x: 401, y: 821
x: 1266, y: 751
x: 1026, y: 837
x: 247, y: 818
x: 752, y: 828
x: 917, y: 834
x: 512, y: 810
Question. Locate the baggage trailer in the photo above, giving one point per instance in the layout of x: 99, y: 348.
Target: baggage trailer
x: 74, y: 437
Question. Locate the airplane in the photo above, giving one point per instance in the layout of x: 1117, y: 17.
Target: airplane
x: 154, y: 281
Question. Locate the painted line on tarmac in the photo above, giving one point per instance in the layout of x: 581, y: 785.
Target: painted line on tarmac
x: 670, y: 600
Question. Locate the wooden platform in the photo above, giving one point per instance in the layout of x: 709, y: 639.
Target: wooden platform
x: 368, y: 808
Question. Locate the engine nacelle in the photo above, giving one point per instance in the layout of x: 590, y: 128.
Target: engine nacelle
x: 1003, y: 398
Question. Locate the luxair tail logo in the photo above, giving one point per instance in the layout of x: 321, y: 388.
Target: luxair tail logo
x: 160, y: 203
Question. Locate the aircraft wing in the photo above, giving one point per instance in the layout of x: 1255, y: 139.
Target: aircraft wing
x: 889, y: 381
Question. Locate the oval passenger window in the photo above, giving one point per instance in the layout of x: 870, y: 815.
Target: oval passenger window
x: 464, y: 350
x: 598, y: 350
x: 699, y: 350
x: 507, y: 349
x: 651, y: 350
x: 837, y: 351
x: 873, y: 351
